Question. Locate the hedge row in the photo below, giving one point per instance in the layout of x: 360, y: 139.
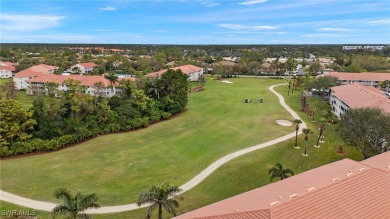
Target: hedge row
x: 38, y: 145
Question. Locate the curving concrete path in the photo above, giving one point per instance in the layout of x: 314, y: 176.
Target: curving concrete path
x: 47, y: 206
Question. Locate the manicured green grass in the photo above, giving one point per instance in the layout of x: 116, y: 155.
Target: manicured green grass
x: 119, y: 166
x: 250, y: 171
x: 4, y: 80
x: 21, y: 96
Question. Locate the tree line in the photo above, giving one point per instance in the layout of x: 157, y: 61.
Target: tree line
x: 59, y: 119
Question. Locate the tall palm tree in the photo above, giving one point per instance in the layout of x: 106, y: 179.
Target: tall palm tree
x: 155, y: 87
x: 306, y: 132
x: 278, y: 172
x: 159, y: 196
x: 296, y: 122
x: 113, y: 79
x: 74, y: 206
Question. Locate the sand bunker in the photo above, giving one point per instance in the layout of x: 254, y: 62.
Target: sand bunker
x: 284, y: 122
x: 227, y: 82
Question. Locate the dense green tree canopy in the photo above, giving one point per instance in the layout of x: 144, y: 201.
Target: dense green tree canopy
x: 16, y: 122
x: 368, y: 129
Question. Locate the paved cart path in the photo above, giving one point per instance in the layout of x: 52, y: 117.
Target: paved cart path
x: 47, y: 206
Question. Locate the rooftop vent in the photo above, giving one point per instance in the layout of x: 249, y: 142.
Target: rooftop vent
x: 361, y: 169
x: 311, y: 189
x: 349, y: 174
x: 335, y: 179
x: 388, y: 167
x: 274, y: 203
x: 293, y: 196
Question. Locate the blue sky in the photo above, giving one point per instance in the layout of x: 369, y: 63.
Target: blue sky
x: 196, y: 21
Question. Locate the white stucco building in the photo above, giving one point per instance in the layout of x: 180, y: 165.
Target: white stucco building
x: 83, y: 68
x: 365, y: 78
x: 6, y: 69
x: 193, y: 72
x: 20, y: 79
x: 349, y: 96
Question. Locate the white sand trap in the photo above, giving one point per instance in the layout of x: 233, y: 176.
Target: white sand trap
x: 227, y: 82
x: 283, y: 122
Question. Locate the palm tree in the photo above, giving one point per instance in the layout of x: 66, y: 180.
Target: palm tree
x: 159, y: 196
x: 155, y: 87
x: 278, y: 172
x: 74, y: 206
x: 297, y: 122
x: 322, y: 130
x: 113, y: 79
x: 306, y: 132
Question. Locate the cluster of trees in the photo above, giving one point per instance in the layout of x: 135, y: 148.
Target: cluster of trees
x: 360, y: 63
x: 58, y: 119
x: 74, y: 205
x: 322, y: 84
x: 368, y: 129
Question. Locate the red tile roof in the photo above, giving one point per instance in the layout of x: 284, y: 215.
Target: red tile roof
x: 186, y: 69
x: 358, y: 96
x: 381, y: 161
x: 366, y: 76
x: 59, y: 79
x: 8, y: 67
x: 343, y: 189
x: 29, y: 72
x: 88, y: 64
x: 6, y: 63
x: 43, y: 68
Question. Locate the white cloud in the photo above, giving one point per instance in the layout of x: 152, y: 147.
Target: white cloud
x: 28, y: 23
x: 385, y: 21
x: 245, y: 27
x: 108, y: 8
x: 335, y: 29
x: 322, y: 35
x: 209, y: 3
x: 253, y: 2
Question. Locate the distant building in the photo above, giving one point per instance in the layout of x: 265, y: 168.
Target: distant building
x: 343, y: 189
x: 34, y: 80
x: 363, y: 47
x: 366, y: 78
x: 350, y: 96
x: 6, y: 69
x: 83, y: 68
x: 37, y: 85
x: 193, y: 72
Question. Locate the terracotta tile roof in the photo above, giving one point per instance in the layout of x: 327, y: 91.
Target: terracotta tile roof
x: 88, y: 64
x: 59, y: 79
x: 357, y: 96
x: 8, y: 67
x: 366, y: 76
x: 186, y: 69
x: 6, y: 63
x: 259, y: 214
x: 228, y: 63
x: 43, y: 68
x: 29, y: 72
x: 343, y: 189
x: 381, y: 161
x: 365, y: 195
